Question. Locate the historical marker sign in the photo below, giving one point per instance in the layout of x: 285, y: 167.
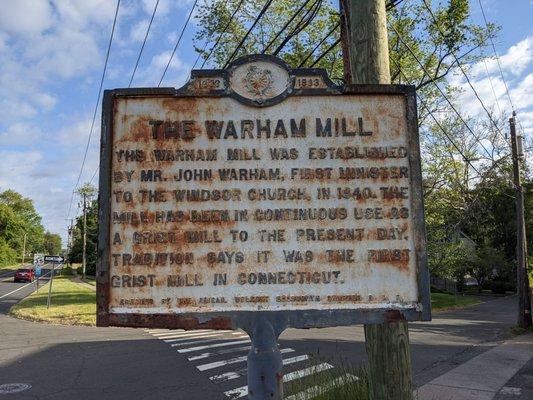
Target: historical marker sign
x: 260, y: 188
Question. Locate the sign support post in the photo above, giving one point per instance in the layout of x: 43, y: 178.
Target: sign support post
x: 50, y: 287
x: 366, y: 61
x: 265, y: 376
x: 304, y: 209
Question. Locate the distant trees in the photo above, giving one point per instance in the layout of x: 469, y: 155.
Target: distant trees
x: 52, y: 243
x: 76, y: 252
x: 18, y: 218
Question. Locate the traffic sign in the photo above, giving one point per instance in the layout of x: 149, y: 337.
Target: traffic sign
x: 54, y: 259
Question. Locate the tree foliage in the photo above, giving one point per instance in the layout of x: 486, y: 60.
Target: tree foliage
x: 52, y: 243
x: 465, y: 160
x: 76, y: 253
x: 19, y: 219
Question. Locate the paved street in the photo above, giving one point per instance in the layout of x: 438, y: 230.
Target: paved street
x: 61, y: 362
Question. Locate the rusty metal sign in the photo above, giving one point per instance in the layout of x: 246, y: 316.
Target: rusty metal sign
x: 260, y: 188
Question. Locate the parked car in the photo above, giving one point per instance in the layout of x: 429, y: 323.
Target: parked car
x: 24, y: 275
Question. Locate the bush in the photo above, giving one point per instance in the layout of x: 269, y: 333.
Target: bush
x: 67, y: 271
x: 79, y: 270
x: 499, y: 287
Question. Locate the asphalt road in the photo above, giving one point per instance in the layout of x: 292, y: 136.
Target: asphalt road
x: 12, y: 292
x: 62, y: 362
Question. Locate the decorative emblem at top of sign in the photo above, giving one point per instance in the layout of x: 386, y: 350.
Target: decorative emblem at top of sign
x: 259, y: 80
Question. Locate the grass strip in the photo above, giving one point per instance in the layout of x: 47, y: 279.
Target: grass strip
x: 71, y: 304
x: 445, y: 301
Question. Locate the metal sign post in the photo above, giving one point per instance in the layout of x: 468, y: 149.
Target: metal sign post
x: 50, y: 287
x: 260, y: 197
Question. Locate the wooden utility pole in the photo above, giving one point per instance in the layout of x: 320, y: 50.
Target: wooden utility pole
x: 24, y: 249
x: 522, y: 281
x: 84, y: 256
x: 366, y: 61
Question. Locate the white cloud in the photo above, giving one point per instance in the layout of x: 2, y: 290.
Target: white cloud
x: 21, y: 134
x: 26, y: 17
x: 514, y: 61
x: 138, y: 30
x: 522, y: 94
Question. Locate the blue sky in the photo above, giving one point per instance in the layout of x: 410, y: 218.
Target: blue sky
x: 52, y: 54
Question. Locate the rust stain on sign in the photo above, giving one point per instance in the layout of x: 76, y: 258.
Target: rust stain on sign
x: 259, y: 189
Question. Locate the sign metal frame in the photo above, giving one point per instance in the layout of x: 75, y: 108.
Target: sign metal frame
x: 247, y: 319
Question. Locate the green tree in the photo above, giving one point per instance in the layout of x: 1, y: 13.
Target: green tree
x: 92, y: 233
x: 52, y: 243
x: 11, y: 235
x: 30, y: 220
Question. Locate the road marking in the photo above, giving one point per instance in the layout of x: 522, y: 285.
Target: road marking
x: 171, y: 339
x: 315, y: 391
x: 225, y: 377
x: 210, y: 335
x: 296, y: 359
x: 235, y: 360
x: 16, y: 290
x: 209, y: 346
x: 243, y: 390
x: 219, y: 352
x: 315, y: 369
x: 200, y: 341
x: 181, y: 333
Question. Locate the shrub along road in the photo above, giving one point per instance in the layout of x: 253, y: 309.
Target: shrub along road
x: 64, y: 362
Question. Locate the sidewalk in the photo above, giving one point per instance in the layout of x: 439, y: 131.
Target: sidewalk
x: 482, y: 377
x: 79, y: 280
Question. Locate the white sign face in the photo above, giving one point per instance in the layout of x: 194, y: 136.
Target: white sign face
x: 307, y: 204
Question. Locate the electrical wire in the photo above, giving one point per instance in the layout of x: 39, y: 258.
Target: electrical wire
x: 461, y: 67
x: 219, y: 37
x: 95, y: 108
x: 496, y: 55
x: 499, y: 65
x: 285, y: 26
x: 261, y: 13
x: 306, y: 19
x: 440, y: 90
x: 177, y: 42
x: 144, y: 42
x: 333, y: 45
x: 390, y: 5
x: 319, y: 44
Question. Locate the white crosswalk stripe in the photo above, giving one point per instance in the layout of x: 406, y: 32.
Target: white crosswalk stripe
x: 216, y: 364
x: 210, y: 346
x: 214, y: 342
x: 219, y: 352
x: 183, y: 339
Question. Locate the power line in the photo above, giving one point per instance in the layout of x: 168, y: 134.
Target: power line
x: 496, y: 55
x: 219, y: 36
x: 263, y: 11
x: 285, y: 26
x: 436, y: 23
x: 440, y: 90
x: 178, y: 42
x: 499, y: 65
x: 390, y: 5
x: 144, y: 42
x: 492, y: 87
x: 96, y: 107
x: 333, y: 45
x: 319, y: 44
x: 306, y: 19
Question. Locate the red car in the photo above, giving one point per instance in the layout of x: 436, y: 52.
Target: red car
x: 24, y: 275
